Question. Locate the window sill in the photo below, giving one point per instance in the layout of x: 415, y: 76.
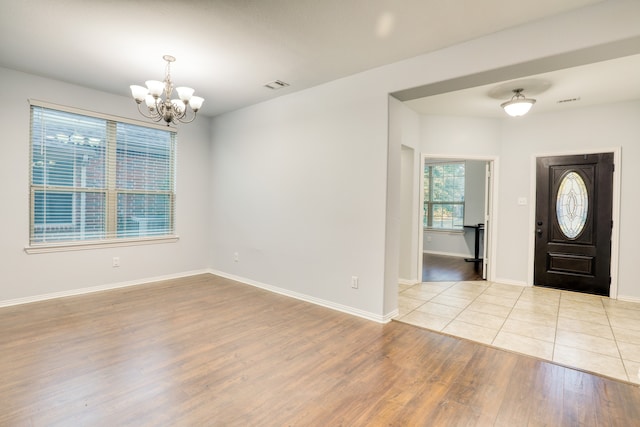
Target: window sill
x: 443, y: 230
x: 98, y: 244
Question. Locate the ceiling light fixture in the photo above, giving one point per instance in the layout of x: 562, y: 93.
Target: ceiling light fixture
x: 167, y: 109
x: 518, y: 105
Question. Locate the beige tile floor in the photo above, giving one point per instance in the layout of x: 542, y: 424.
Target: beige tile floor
x: 587, y: 332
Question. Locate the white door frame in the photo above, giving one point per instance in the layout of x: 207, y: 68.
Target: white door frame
x: 491, y: 211
x: 615, y: 212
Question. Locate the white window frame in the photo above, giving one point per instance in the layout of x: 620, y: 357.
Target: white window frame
x: 428, y: 205
x: 110, y: 239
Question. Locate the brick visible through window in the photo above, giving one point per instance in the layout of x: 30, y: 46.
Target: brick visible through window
x: 97, y: 178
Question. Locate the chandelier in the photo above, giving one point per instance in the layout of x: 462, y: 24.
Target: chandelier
x: 167, y: 109
x: 518, y: 105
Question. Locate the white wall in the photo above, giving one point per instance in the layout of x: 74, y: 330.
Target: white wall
x: 474, y: 191
x: 298, y: 191
x: 408, y: 259
x: 30, y: 276
x: 455, y: 136
x: 404, y: 132
x: 306, y: 186
x: 449, y: 243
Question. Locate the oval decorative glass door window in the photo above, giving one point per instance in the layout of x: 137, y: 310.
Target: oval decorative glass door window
x: 572, y: 205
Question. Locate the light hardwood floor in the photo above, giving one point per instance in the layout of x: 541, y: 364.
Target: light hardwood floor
x: 207, y: 351
x: 439, y: 268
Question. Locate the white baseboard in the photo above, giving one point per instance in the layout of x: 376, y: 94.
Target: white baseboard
x: 324, y: 303
x: 452, y: 254
x: 628, y: 298
x: 510, y: 282
x: 390, y: 316
x: 407, y: 282
x: 82, y: 291
x: 307, y: 298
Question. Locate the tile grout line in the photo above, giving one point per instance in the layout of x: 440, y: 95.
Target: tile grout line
x: 454, y: 317
x: 520, y: 335
x: 420, y: 299
x: 555, y: 332
x: 464, y: 308
x: 615, y: 340
x: 507, y: 316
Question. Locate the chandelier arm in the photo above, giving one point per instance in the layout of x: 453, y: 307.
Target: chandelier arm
x: 148, y: 116
x: 189, y: 120
x: 184, y: 113
x: 178, y: 115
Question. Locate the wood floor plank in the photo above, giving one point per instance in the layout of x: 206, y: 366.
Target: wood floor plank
x: 209, y: 351
x: 444, y: 268
x: 548, y: 396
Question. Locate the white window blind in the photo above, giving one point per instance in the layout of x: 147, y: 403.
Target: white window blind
x: 444, y: 195
x: 96, y: 178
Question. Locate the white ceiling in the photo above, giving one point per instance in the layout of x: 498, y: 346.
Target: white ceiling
x: 602, y: 82
x: 228, y: 49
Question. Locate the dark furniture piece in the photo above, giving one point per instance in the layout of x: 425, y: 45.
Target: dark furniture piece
x: 477, y: 229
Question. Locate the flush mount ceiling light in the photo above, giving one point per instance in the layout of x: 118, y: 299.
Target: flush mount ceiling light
x: 518, y: 105
x: 164, y: 108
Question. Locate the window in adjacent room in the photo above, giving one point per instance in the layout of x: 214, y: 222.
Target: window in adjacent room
x: 444, y: 196
x: 96, y: 178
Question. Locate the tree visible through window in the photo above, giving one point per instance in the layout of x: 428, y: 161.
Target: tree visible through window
x: 444, y: 195
x: 95, y: 178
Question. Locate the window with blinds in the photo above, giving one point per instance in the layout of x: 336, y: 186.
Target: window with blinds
x: 444, y: 196
x: 94, y: 178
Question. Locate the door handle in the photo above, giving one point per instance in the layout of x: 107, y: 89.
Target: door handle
x: 539, y: 231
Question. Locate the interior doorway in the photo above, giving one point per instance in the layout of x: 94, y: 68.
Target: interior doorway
x: 456, y: 214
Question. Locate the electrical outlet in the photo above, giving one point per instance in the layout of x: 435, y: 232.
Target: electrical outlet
x: 115, y: 262
x: 236, y: 257
x: 354, y: 282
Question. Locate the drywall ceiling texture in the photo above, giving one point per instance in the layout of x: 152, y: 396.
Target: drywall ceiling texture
x: 228, y: 49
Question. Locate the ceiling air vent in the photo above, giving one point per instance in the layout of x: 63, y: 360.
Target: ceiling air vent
x: 563, y: 101
x: 276, y: 84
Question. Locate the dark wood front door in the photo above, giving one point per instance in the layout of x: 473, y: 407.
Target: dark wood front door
x: 573, y: 222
